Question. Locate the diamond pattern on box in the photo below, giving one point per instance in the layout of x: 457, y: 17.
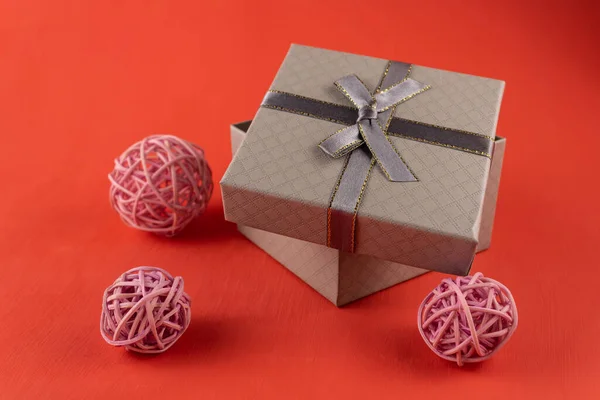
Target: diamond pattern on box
x: 341, y: 277
x: 361, y: 276
x: 459, y: 101
x: 310, y: 72
x: 315, y: 265
x: 281, y: 182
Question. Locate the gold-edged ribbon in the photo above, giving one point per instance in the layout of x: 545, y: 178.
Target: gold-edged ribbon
x: 365, y: 142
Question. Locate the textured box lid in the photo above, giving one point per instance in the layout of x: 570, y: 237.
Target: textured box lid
x: 280, y: 181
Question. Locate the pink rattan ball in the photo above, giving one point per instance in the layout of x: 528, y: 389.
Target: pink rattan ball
x: 467, y: 319
x: 160, y: 184
x: 145, y: 310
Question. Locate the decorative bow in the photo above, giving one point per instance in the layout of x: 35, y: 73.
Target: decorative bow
x: 374, y: 114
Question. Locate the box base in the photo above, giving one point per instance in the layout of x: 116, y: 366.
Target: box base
x: 342, y: 277
x: 339, y: 277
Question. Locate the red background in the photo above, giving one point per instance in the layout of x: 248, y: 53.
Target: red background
x: 81, y: 80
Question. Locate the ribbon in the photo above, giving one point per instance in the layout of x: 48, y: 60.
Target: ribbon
x: 370, y: 122
x: 373, y: 114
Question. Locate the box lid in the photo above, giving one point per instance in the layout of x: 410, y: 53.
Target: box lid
x: 281, y: 181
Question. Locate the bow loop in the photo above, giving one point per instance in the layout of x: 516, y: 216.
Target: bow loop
x: 355, y: 91
x: 399, y: 93
x: 373, y: 134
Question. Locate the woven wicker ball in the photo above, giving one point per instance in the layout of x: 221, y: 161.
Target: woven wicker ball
x: 145, y: 310
x: 160, y: 184
x: 467, y: 319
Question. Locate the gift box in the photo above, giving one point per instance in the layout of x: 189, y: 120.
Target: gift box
x: 358, y: 173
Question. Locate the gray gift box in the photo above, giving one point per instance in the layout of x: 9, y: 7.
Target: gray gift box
x: 281, y: 187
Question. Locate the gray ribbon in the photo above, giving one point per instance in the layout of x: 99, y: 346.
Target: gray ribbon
x: 369, y: 128
x: 370, y: 121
